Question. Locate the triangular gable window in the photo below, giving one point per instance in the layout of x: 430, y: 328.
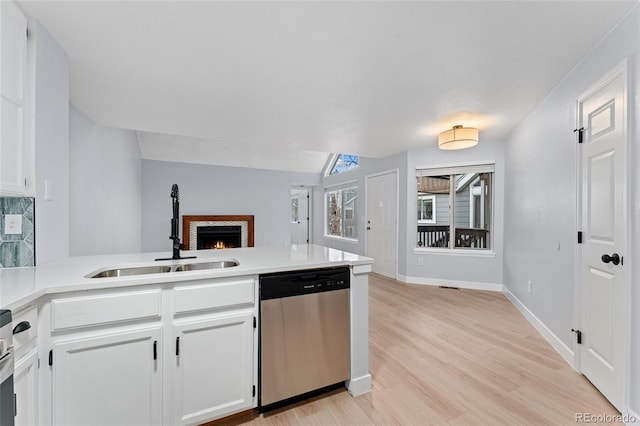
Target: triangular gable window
x: 341, y: 163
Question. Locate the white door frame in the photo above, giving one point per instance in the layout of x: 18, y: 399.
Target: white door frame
x: 395, y: 171
x: 621, y: 68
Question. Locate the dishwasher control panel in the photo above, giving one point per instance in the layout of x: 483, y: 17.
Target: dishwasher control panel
x: 287, y: 284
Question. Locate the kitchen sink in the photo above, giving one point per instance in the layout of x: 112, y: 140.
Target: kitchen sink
x: 219, y: 264
x: 124, y: 272
x: 160, y: 269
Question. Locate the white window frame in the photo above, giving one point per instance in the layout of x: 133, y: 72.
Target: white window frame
x: 340, y: 188
x: 331, y: 163
x: 479, y: 167
x: 433, y: 202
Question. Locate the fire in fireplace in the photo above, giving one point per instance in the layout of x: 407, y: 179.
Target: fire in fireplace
x: 219, y: 237
x: 213, y: 232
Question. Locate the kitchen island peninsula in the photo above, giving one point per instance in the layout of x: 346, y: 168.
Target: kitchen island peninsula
x: 130, y: 340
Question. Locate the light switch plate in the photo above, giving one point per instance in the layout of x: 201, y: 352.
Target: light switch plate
x: 48, y: 190
x: 12, y: 224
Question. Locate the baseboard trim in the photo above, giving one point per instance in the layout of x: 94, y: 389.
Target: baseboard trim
x: 439, y: 282
x: 359, y: 385
x: 565, y: 352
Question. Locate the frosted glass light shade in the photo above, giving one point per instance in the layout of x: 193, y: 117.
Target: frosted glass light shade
x: 458, y: 138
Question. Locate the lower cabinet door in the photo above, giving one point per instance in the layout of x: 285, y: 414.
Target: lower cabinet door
x: 115, y: 379
x: 213, y: 374
x: 25, y: 379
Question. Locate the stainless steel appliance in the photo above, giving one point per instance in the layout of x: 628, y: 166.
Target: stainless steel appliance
x: 304, y: 334
x: 7, y: 406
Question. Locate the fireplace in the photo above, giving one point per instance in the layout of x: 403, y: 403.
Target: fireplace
x: 216, y: 237
x: 217, y: 232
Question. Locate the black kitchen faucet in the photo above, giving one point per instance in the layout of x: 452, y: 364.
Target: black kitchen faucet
x: 177, y: 245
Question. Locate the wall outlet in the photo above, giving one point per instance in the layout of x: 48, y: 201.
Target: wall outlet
x: 12, y: 224
x: 421, y: 261
x: 529, y: 286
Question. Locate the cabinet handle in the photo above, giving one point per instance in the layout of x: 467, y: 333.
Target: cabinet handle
x: 155, y: 349
x: 177, y: 346
x: 23, y: 326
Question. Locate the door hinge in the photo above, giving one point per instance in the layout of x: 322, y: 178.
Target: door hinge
x: 177, y: 346
x: 253, y: 391
x: 26, y: 32
x: 579, y: 237
x: 51, y: 358
x: 155, y: 350
x: 255, y: 322
x: 580, y: 133
x: 578, y: 336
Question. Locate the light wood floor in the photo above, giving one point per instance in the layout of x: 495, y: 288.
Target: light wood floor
x: 453, y: 357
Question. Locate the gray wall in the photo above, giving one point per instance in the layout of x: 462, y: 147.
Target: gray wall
x: 105, y: 174
x: 51, y: 145
x: 443, y: 265
x: 541, y: 224
x: 215, y: 190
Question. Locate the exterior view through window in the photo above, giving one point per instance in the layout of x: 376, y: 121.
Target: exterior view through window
x: 341, y: 213
x: 455, y: 207
x: 294, y: 209
x: 343, y: 163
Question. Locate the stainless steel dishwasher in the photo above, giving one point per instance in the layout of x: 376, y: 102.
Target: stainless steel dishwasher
x: 304, y: 334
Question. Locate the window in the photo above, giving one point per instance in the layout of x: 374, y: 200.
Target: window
x: 341, y: 213
x: 455, y: 207
x: 294, y: 209
x: 339, y: 163
x: 426, y: 209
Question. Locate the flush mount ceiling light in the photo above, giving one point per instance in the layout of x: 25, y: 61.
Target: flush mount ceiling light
x: 458, y: 138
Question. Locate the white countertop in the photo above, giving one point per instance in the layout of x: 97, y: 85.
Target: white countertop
x: 20, y: 286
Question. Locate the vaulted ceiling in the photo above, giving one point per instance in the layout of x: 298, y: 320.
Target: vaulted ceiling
x: 281, y: 84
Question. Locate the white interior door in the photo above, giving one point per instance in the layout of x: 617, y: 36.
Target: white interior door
x: 603, y: 286
x: 300, y: 216
x: 382, y: 219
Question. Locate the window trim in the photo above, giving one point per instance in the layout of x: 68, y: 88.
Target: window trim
x: 453, y: 169
x: 432, y: 197
x: 352, y: 184
x: 333, y: 159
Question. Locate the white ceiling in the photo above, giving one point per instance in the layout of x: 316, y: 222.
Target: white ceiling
x: 274, y: 84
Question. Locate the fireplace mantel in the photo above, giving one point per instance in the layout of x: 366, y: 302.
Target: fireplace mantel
x: 189, y: 222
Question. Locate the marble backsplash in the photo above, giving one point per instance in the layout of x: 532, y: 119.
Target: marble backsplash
x: 17, y: 249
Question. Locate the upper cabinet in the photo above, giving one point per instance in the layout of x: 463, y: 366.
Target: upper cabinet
x: 15, y: 156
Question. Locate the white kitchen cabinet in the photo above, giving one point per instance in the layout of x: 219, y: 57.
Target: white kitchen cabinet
x: 107, y: 380
x: 213, y: 374
x: 184, y: 353
x: 25, y: 379
x: 14, y: 163
x: 25, y: 376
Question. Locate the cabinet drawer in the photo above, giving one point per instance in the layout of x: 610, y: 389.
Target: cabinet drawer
x: 30, y: 316
x: 105, y: 308
x: 213, y: 295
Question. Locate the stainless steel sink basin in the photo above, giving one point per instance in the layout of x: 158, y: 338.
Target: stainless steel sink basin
x: 220, y: 264
x: 159, y: 269
x: 124, y: 272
